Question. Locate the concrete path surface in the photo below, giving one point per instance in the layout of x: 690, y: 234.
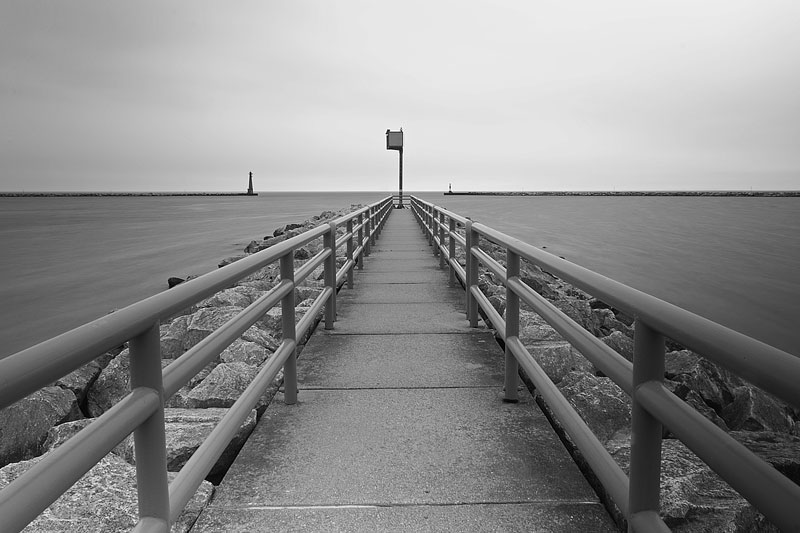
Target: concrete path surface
x: 400, y: 423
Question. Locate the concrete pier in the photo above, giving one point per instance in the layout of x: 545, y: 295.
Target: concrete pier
x: 400, y: 423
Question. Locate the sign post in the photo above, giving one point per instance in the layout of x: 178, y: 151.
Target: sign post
x: 394, y: 141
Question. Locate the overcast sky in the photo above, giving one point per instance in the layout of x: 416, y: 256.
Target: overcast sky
x: 524, y: 95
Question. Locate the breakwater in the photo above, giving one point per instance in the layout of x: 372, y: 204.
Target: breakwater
x: 98, y: 194
x: 757, y: 194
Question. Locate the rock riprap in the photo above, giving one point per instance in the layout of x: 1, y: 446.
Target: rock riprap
x: 105, y: 499
x: 694, y: 498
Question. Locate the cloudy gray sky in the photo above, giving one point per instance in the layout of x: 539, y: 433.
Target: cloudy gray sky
x: 514, y: 95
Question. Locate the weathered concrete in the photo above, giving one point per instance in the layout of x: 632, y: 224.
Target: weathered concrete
x: 400, y: 423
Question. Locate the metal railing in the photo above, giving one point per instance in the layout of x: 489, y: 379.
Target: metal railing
x: 142, y: 411
x: 637, y: 495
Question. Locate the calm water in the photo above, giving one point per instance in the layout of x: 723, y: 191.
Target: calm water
x: 70, y: 260
x: 733, y: 260
x: 66, y: 261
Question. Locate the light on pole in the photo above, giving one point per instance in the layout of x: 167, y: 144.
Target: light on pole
x: 394, y: 141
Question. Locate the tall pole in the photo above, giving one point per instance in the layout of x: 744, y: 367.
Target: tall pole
x: 401, y: 180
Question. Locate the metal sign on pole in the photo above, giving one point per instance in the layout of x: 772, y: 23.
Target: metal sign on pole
x: 394, y: 141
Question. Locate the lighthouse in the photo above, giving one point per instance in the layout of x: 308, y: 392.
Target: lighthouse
x: 250, y: 186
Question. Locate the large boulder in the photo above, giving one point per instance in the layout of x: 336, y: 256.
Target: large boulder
x: 61, y: 433
x: 693, y: 498
x: 286, y: 227
x: 577, y: 309
x: 186, y: 429
x: 173, y: 337
x: 713, y: 384
x: 604, y: 406
x: 620, y: 343
x: 245, y: 352
x: 80, y: 380
x: 533, y: 328
x: 24, y: 424
x: 223, y: 386
x: 238, y: 296
x: 754, y: 410
x: 778, y: 449
x: 205, y: 320
x: 112, y: 384
x: 105, y: 500
x: 604, y: 322
x: 696, y: 401
x: 558, y: 359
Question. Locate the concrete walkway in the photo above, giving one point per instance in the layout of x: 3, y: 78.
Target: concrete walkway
x: 400, y: 423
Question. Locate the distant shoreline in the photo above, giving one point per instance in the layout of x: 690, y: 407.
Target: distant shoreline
x: 81, y: 194
x: 628, y: 193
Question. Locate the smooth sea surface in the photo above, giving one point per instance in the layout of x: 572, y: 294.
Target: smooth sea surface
x: 68, y: 260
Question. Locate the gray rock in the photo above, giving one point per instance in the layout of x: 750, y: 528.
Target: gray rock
x: 272, y: 241
x: 694, y: 399
x: 238, y: 296
x: 112, y: 384
x: 285, y: 228
x: 204, y: 321
x: 245, y: 352
x: 533, y: 328
x: 223, y: 386
x: 693, y: 497
x: 24, y: 424
x: 577, y: 309
x: 186, y: 429
x: 102, y: 501
x: 558, y: 359
x: 305, y: 293
x: 252, y: 247
x: 604, y: 407
x: 173, y: 337
x: 778, y: 449
x: 228, y: 260
x: 173, y: 281
x: 80, y: 380
x: 499, y: 303
x: 302, y: 254
x: 605, y: 322
x: 713, y: 384
x: 620, y: 343
x: 754, y: 410
x: 61, y: 433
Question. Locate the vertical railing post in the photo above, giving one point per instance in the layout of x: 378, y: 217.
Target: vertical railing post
x: 367, y: 231
x: 472, y: 275
x: 431, y: 228
x: 441, y: 239
x: 329, y: 241
x: 150, y: 442
x: 350, y: 252
x: 374, y: 226
x: 289, y: 331
x: 451, y: 247
x: 361, y: 239
x: 512, y: 327
x: 646, y: 430
x: 434, y: 232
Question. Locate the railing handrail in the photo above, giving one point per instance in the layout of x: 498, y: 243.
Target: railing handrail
x: 653, y: 404
x: 159, y: 505
x: 721, y: 344
x: 33, y: 368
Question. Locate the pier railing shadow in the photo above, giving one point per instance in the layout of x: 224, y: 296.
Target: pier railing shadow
x: 653, y: 405
x: 142, y: 411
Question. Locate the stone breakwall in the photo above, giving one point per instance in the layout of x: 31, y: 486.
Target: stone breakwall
x: 105, y: 499
x: 693, y: 498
